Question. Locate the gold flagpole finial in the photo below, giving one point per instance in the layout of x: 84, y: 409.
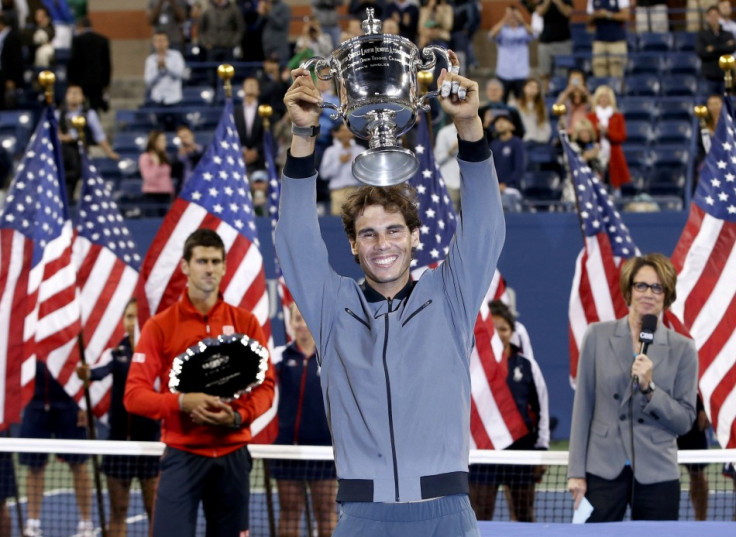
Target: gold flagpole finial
x: 726, y: 63
x: 265, y: 111
x: 47, y: 79
x: 226, y: 73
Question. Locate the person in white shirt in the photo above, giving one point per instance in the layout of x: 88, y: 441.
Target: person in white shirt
x: 724, y: 10
x: 445, y: 154
x: 337, y: 167
x: 163, y: 73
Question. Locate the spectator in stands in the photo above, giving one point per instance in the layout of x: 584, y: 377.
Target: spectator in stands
x: 696, y: 438
x: 725, y: 11
x: 259, y: 191
x: 694, y: 15
x: 358, y: 8
x: 533, y: 113
x: 714, y: 103
x: 619, y: 402
x: 8, y: 489
x: 529, y: 391
x: 11, y: 63
x: 206, y: 459
x: 712, y: 42
x: 252, y: 44
x: 584, y: 143
x: 555, y: 38
x: 406, y: 14
x: 122, y: 469
x: 221, y: 29
x: 155, y: 170
x: 75, y: 105
x: 313, y: 42
x: 509, y: 156
x: 390, y: 27
x: 90, y: 66
x: 611, y: 127
x: 186, y: 158
x: 190, y: 27
x: 495, y: 105
x: 337, y: 166
x: 275, y: 22
x: 512, y: 35
x: 52, y: 413
x: 250, y: 126
x: 576, y: 98
x: 302, y: 421
x: 651, y: 16
x: 273, y: 82
x: 16, y: 13
x: 466, y: 20
x: 445, y: 155
x: 40, y: 34
x: 326, y: 14
x: 435, y: 23
x: 609, y: 19
x: 324, y: 139
x: 163, y: 74
x: 169, y: 15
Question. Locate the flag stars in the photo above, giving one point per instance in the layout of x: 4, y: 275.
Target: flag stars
x: 715, y: 182
x: 721, y: 164
x: 723, y: 196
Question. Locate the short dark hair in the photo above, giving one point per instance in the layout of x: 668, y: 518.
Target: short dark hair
x: 714, y: 7
x: 500, y: 309
x: 84, y: 22
x: 400, y: 198
x: 202, y: 237
x: 662, y: 266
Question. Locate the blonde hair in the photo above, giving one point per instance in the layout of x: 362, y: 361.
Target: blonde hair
x: 608, y: 91
x: 581, y: 125
x: 662, y: 266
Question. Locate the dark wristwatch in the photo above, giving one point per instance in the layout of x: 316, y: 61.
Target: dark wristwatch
x: 310, y: 132
x: 237, y: 421
x: 650, y: 388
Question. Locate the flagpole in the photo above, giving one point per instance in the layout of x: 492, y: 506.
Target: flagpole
x: 18, y: 510
x: 79, y: 123
x: 560, y: 110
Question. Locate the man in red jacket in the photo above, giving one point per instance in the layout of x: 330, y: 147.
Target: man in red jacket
x: 206, y: 457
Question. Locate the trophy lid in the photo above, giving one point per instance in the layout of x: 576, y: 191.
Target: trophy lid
x: 371, y: 25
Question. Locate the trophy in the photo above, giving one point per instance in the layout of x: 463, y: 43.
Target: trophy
x: 226, y: 366
x: 375, y: 76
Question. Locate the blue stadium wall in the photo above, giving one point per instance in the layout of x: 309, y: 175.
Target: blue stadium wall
x: 538, y: 262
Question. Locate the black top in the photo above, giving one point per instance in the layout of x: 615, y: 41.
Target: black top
x: 556, y: 25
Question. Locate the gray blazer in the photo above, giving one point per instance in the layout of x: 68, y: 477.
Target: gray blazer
x: 600, y: 438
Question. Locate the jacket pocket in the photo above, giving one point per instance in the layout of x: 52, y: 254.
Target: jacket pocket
x: 660, y: 437
x: 599, y: 428
x: 354, y: 316
x: 415, y: 312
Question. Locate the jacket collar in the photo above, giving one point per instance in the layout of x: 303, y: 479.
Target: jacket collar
x: 186, y: 303
x: 371, y: 295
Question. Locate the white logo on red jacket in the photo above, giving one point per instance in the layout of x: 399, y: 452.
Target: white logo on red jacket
x: 139, y: 357
x: 228, y: 330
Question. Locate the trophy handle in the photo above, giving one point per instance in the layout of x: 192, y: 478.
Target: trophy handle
x: 319, y: 64
x: 430, y: 53
x: 338, y: 111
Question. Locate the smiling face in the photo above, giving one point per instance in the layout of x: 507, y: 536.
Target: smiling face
x: 383, y: 245
x: 503, y: 329
x: 646, y: 302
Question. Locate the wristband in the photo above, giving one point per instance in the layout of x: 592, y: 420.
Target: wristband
x: 181, y: 401
x: 237, y: 420
x: 309, y: 132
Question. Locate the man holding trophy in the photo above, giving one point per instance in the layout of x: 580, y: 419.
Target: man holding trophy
x: 201, y: 348
x: 394, y: 352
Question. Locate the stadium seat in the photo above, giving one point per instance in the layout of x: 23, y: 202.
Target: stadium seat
x: 9, y: 143
x: 108, y: 169
x: 541, y: 156
x: 679, y: 86
x: 656, y: 42
x: 639, y: 176
x: 197, y: 96
x: 680, y: 108
x: 130, y: 142
x: 673, y: 131
x: 639, y: 132
x: 594, y: 82
x: 541, y: 186
x: 193, y: 53
x: 683, y: 64
x: 132, y: 120
x: 582, y: 42
x: 556, y: 85
x: 643, y: 85
x: 204, y: 119
x: 19, y: 123
x: 667, y: 181
x: 644, y: 63
x: 669, y: 156
x: 685, y: 41
x: 639, y: 111
x: 637, y: 157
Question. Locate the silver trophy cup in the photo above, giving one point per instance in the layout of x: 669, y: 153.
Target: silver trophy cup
x: 375, y: 75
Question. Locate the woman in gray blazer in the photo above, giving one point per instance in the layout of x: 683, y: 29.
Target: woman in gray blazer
x: 623, y: 448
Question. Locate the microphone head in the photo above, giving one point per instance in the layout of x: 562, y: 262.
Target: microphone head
x: 648, y: 327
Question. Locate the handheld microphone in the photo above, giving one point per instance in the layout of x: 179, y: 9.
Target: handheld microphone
x: 646, y: 336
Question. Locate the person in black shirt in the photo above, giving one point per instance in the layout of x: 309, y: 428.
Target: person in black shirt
x: 555, y: 38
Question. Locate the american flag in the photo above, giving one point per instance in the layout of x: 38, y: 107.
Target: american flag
x: 39, y: 308
x: 495, y: 422
x: 107, y: 263
x: 595, y: 295
x: 216, y: 196
x: 705, y: 259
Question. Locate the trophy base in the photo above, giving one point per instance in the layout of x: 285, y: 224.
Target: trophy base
x: 385, y: 166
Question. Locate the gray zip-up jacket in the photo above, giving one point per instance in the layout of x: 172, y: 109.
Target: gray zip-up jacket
x: 395, y: 372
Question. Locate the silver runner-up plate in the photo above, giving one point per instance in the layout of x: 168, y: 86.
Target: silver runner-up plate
x: 225, y: 366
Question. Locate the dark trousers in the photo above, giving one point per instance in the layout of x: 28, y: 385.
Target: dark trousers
x: 657, y: 501
x: 222, y: 484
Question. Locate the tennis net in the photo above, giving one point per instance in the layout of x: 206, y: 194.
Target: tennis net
x: 285, y: 479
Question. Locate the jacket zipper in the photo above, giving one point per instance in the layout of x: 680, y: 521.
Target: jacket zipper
x: 301, y: 400
x: 353, y: 315
x: 388, y: 400
x: 427, y: 303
